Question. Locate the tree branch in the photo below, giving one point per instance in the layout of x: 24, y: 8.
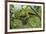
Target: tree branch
x: 35, y: 12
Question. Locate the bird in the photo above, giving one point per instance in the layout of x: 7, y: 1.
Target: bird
x: 24, y: 18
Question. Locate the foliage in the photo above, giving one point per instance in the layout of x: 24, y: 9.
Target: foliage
x: 25, y: 16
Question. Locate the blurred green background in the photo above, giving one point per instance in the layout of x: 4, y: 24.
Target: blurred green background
x: 25, y: 16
